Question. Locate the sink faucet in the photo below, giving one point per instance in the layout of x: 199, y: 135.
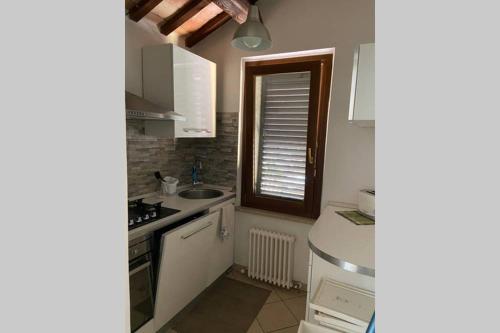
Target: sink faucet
x: 195, y: 173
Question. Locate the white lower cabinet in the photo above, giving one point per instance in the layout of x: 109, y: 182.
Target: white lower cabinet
x: 183, y: 266
x: 221, y: 257
x: 193, y: 257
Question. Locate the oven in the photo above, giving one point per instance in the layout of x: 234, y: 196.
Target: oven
x: 141, y: 282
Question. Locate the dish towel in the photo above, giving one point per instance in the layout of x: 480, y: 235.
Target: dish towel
x: 227, y: 215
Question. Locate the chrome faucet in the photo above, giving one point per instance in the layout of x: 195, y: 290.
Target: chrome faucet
x: 195, y: 173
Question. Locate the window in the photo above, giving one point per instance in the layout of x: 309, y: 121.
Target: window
x: 284, y: 129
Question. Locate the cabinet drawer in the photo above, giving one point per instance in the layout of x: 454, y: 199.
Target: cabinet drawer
x: 306, y: 327
x: 342, y: 306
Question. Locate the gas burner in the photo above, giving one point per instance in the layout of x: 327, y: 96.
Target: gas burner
x: 140, y: 213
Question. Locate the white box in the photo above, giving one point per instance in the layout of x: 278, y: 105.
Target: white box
x: 344, y: 302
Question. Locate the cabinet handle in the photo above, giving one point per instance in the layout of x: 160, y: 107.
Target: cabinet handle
x: 196, y: 231
x: 196, y: 130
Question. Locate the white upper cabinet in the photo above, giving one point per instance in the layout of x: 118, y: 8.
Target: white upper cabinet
x: 182, y: 82
x: 362, y: 103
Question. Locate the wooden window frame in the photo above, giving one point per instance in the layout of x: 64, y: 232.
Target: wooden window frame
x: 320, y: 67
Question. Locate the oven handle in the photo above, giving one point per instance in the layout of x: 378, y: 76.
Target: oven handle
x: 140, y: 268
x: 196, y: 231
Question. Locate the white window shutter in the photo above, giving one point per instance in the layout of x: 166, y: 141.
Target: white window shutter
x: 283, y: 134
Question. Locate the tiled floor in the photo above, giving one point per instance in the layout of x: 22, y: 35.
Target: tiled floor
x: 283, y: 309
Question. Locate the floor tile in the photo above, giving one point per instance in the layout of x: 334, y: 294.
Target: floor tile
x: 297, y: 306
x: 255, y: 328
x: 293, y: 329
x: 244, y: 278
x: 275, y: 316
x: 285, y: 294
x: 273, y: 297
x: 263, y: 285
x: 228, y: 306
x: 239, y: 277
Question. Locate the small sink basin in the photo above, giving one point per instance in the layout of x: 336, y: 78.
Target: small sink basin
x: 201, y: 193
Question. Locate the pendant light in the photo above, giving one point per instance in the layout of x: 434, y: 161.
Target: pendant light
x: 252, y: 35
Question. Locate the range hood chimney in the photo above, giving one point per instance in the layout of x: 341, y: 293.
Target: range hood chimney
x: 140, y: 108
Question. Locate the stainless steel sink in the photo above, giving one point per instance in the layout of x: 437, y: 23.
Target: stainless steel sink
x: 201, y: 193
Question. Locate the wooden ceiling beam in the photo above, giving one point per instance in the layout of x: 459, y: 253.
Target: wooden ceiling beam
x: 207, y: 29
x: 187, y: 11
x: 142, y: 8
x: 237, y: 9
x: 210, y: 27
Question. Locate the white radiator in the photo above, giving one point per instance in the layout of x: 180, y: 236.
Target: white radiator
x: 270, y: 257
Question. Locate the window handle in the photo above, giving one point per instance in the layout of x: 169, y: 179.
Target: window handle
x: 310, y: 156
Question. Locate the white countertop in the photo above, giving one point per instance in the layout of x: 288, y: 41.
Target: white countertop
x: 348, y: 245
x: 187, y: 207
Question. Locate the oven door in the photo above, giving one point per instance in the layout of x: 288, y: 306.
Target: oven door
x: 141, y: 291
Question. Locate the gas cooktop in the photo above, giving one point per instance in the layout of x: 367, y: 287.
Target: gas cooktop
x: 140, y: 213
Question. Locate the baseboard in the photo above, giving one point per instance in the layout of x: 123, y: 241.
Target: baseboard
x: 238, y: 268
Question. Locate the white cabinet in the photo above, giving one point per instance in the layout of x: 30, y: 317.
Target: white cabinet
x: 221, y: 257
x: 362, y: 102
x: 183, y: 266
x: 193, y: 256
x: 183, y: 82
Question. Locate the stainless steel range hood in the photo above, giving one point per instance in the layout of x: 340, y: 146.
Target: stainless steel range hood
x: 139, y: 108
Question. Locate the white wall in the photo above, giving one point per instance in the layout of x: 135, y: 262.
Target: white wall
x: 139, y: 34
x: 296, y: 25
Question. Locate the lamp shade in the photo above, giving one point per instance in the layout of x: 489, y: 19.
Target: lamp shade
x: 252, y: 35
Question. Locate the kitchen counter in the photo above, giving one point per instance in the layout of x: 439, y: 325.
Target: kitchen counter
x: 187, y: 207
x: 343, y: 243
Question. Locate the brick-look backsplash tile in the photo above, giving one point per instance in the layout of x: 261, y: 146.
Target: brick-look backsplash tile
x: 175, y: 157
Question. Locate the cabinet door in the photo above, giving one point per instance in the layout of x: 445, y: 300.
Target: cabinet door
x: 222, y: 253
x: 362, y: 104
x: 183, y: 267
x: 194, y: 94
